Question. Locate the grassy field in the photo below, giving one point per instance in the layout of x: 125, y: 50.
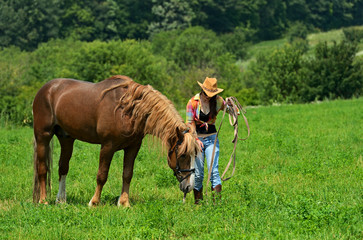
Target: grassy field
x: 299, y: 176
x: 313, y: 39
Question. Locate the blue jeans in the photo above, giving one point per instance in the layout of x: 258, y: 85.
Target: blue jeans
x: 207, y: 152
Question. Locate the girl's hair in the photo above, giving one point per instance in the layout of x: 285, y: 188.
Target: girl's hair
x: 212, y: 105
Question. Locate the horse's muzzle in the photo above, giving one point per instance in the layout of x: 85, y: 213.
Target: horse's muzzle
x: 187, y: 185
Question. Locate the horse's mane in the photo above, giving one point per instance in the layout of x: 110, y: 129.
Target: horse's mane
x: 153, y: 113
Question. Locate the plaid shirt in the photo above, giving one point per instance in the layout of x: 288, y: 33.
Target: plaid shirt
x: 193, y: 110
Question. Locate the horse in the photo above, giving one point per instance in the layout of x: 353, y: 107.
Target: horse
x: 116, y: 113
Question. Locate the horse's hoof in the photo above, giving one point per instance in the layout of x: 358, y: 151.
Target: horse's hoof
x: 92, y: 204
x: 125, y: 204
x: 60, y: 201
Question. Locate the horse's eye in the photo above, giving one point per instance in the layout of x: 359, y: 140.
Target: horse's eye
x: 183, y: 156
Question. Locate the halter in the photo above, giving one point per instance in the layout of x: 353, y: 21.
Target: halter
x: 178, y: 170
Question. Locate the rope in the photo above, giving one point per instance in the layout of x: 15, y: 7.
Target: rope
x: 233, y: 120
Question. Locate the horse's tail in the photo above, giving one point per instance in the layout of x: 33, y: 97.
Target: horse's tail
x: 49, y: 164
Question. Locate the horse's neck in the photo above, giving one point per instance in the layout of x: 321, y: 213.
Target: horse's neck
x: 165, y: 130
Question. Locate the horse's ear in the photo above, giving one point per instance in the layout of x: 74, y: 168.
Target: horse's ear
x: 179, y: 134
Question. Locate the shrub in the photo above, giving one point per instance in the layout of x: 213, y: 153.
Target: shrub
x: 163, y: 43
x: 238, y: 41
x: 353, y: 34
x: 332, y: 73
x: 97, y: 60
x: 13, y: 76
x: 276, y: 75
x: 53, y: 59
x: 196, y: 47
x: 297, y: 30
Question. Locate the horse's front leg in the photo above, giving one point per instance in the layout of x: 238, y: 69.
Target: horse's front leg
x: 106, y: 155
x: 129, y: 160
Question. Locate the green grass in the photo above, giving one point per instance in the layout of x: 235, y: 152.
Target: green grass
x: 264, y: 46
x: 299, y: 176
x: 313, y: 39
x: 330, y: 36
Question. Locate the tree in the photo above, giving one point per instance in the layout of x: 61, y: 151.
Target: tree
x: 225, y: 16
x: 78, y: 21
x: 333, y: 73
x: 170, y: 15
x: 196, y: 47
x: 272, y: 19
x: 110, y: 20
x: 276, y: 75
x: 26, y: 23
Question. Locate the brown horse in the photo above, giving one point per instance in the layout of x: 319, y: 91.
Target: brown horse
x: 116, y: 113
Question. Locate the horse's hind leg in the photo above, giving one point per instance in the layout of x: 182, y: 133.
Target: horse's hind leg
x: 42, y: 165
x: 106, y: 155
x: 66, y: 144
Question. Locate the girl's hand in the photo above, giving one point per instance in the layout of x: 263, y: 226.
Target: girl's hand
x: 201, y: 145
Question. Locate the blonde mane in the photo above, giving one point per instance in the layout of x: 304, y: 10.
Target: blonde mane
x: 153, y: 113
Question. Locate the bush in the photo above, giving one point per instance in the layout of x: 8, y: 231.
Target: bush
x: 98, y: 60
x: 276, y: 75
x: 164, y: 42
x: 196, y: 47
x: 13, y: 76
x: 332, y: 73
x: 286, y: 76
x: 92, y: 61
x: 297, y: 30
x: 353, y: 34
x: 238, y: 41
x: 53, y: 59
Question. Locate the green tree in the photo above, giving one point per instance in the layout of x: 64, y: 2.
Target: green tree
x: 170, y: 15
x: 196, y: 47
x: 14, y: 101
x: 272, y: 19
x: 78, y: 22
x: 333, y: 72
x: 26, y: 23
x: 276, y: 75
x: 238, y: 41
x: 225, y: 16
x: 110, y: 20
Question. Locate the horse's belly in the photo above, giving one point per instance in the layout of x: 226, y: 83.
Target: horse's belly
x: 77, y: 117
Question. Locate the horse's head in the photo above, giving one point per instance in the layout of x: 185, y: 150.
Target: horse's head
x: 181, y: 159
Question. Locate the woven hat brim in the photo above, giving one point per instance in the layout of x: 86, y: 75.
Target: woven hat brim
x: 208, y: 92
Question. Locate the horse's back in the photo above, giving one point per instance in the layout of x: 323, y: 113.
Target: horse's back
x: 78, y: 107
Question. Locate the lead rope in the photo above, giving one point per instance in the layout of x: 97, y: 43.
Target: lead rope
x: 233, y: 120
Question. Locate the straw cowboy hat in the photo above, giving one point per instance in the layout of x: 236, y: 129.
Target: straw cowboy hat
x: 210, y: 87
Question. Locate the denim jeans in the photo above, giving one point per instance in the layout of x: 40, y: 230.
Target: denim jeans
x: 207, y: 152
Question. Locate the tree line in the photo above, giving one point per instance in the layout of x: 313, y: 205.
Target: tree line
x: 172, y: 44
x: 26, y: 23
x: 174, y: 60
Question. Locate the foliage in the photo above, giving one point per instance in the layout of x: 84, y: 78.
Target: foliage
x: 196, y: 47
x: 297, y: 30
x: 353, y: 34
x: 272, y: 19
x: 332, y: 73
x: 238, y: 41
x: 13, y: 103
x: 26, y: 23
x: 173, y: 61
x: 286, y: 75
x: 97, y: 60
x: 277, y: 75
x: 298, y: 176
x: 170, y: 15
